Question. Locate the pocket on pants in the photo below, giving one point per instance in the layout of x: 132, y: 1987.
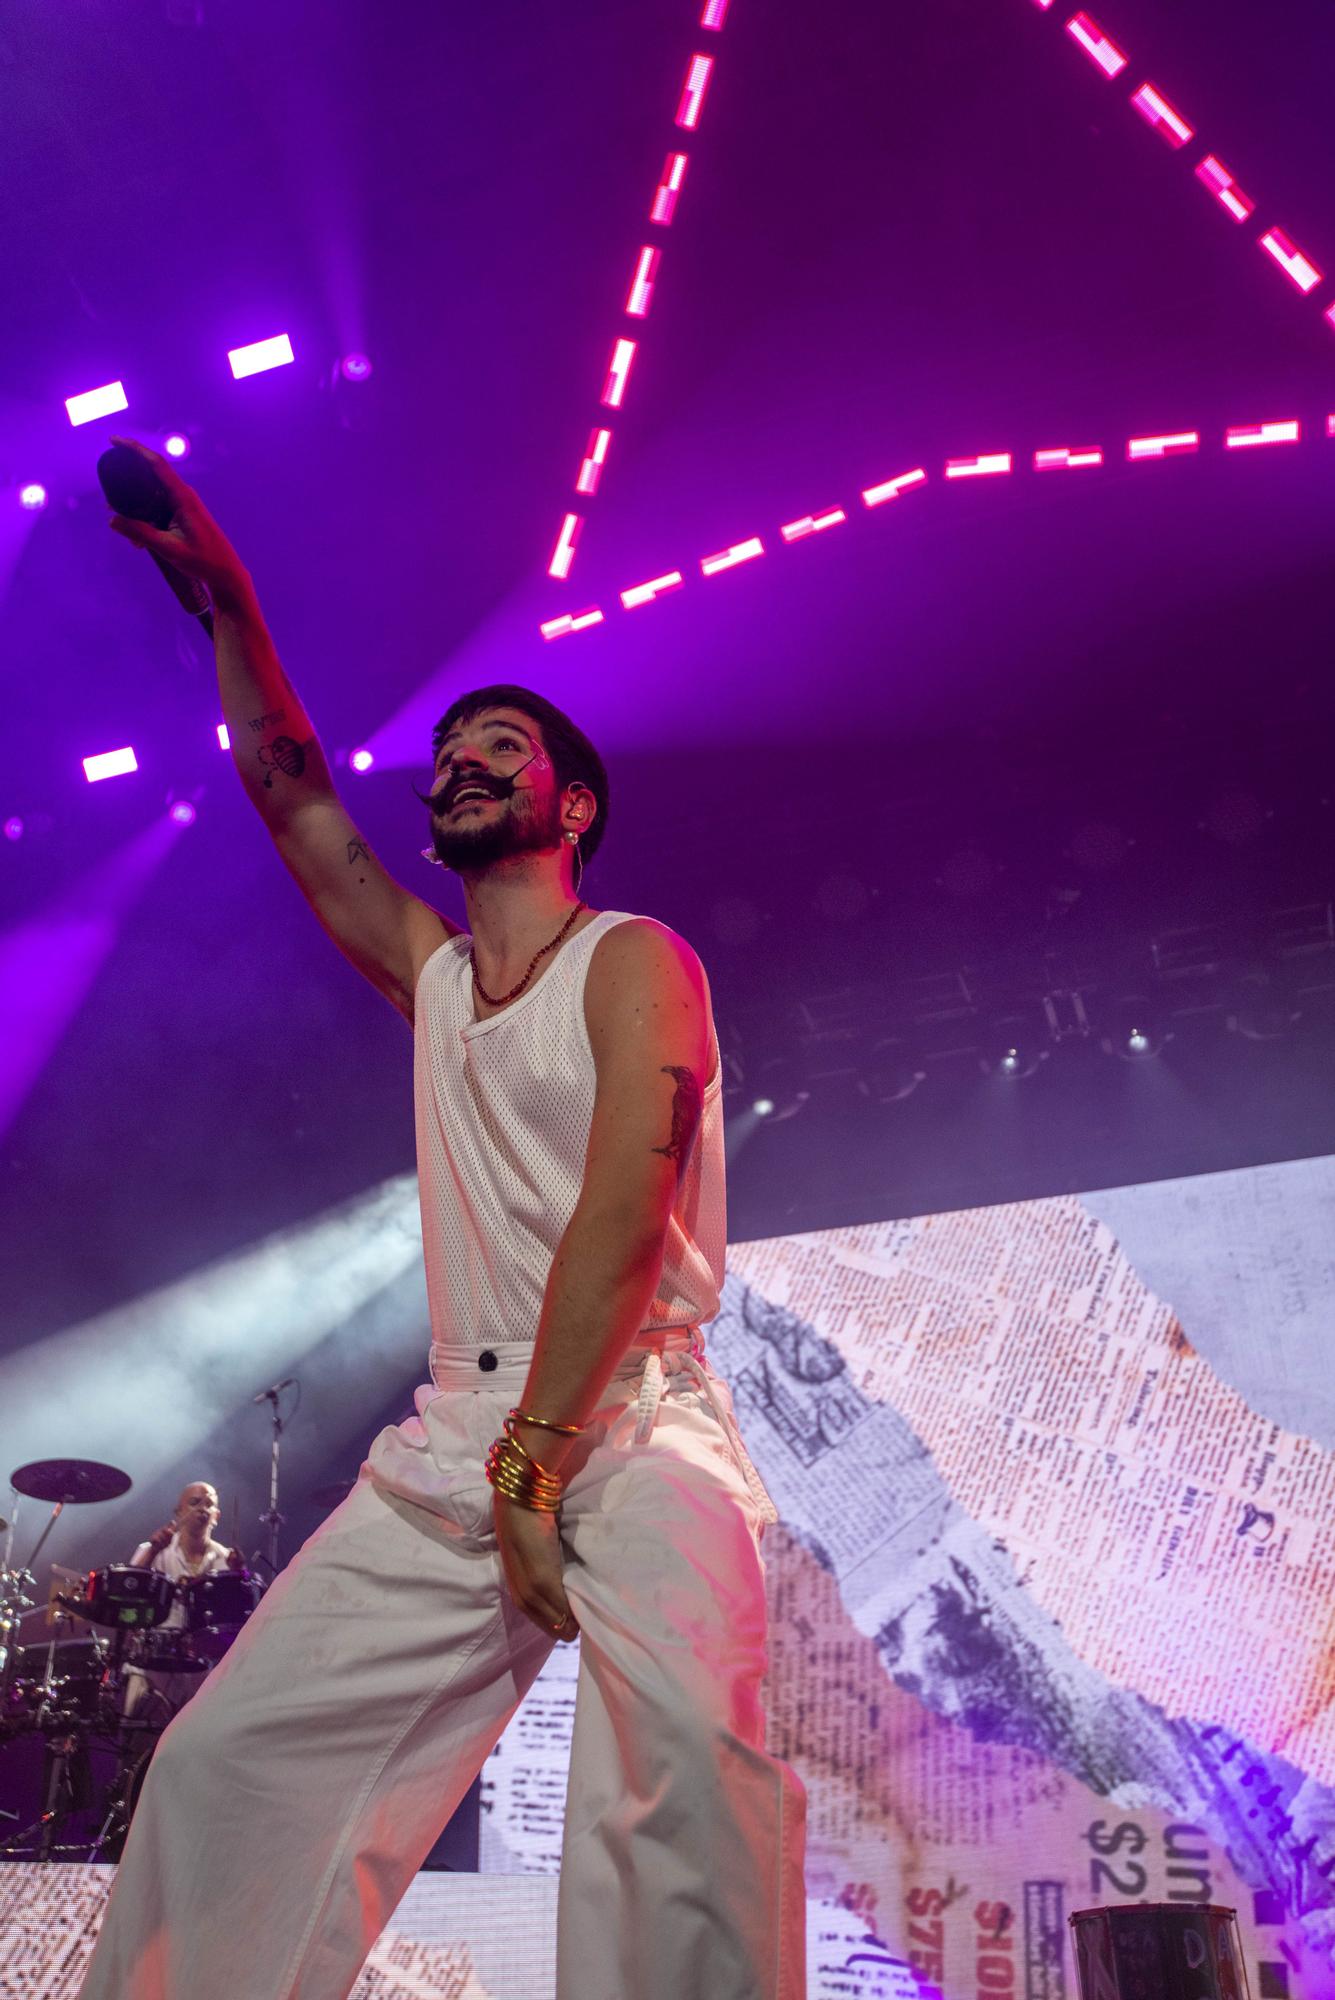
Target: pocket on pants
x: 435, y: 1459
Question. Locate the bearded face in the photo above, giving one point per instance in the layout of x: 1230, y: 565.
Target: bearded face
x: 493, y: 797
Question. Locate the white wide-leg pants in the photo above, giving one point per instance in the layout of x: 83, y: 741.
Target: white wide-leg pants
x: 290, y: 1804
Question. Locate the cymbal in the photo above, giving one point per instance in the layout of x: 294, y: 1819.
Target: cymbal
x: 70, y: 1481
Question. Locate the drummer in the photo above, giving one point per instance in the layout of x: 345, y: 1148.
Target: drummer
x: 182, y: 1550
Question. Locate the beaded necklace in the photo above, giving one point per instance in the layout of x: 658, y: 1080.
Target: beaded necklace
x: 500, y: 1000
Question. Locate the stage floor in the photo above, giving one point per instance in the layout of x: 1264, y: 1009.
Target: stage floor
x: 453, y: 1937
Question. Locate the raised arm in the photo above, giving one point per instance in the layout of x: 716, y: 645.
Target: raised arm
x: 387, y: 933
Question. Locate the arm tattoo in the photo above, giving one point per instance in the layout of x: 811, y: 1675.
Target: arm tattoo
x: 284, y: 754
x: 685, y: 1116
x: 258, y: 722
x: 358, y: 851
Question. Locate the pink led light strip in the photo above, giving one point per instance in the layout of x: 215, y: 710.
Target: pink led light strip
x: 690, y: 105
x: 1169, y: 123
x: 1152, y: 446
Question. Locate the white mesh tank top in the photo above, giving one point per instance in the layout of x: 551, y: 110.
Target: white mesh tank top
x: 503, y: 1113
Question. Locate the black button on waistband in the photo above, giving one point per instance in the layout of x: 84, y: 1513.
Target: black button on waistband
x: 486, y: 1361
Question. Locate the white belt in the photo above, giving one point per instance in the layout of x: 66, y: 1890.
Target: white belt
x: 690, y: 1361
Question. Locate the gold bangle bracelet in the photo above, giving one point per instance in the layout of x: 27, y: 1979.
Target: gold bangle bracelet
x: 546, y: 1424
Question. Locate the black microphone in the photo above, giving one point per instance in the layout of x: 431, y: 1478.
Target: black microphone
x: 265, y: 1394
x: 133, y: 488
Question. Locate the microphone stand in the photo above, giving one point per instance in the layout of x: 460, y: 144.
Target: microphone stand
x: 271, y: 1518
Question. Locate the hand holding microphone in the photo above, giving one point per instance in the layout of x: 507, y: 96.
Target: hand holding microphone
x: 157, y: 511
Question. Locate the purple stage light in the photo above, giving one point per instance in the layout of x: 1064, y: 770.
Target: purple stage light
x: 1063, y: 458
x: 618, y: 373
x: 1212, y: 173
x: 33, y: 496
x: 890, y: 489
x: 362, y: 760
x: 110, y: 764
x: 355, y: 367
x: 1159, y: 113
x: 94, y: 403
x: 224, y: 740
x: 812, y: 524
x: 1290, y: 259
x: 645, y: 593
x: 715, y: 13
x: 1238, y: 436
x: 1329, y: 315
x: 642, y: 284
x: 564, y: 552
x: 740, y: 552
x: 591, y: 465
x: 1096, y: 45
x: 692, y: 100
x: 1169, y: 444
x: 177, y: 445
x: 260, y: 355
x: 669, y: 187
x: 13, y: 827
x: 182, y: 813
x: 981, y: 467
x: 571, y: 621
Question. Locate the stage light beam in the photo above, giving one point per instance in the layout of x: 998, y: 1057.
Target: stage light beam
x: 93, y: 403
x: 563, y: 555
x: 1065, y: 458
x: 812, y: 524
x: 740, y: 552
x: 593, y: 461
x: 890, y: 489
x: 1295, y: 266
x: 110, y: 764
x: 1096, y: 45
x: 645, y: 593
x: 260, y: 355
x: 1159, y: 113
x: 1170, y: 444
x: 618, y: 373
x: 362, y: 759
x: 1239, y: 436
x: 33, y: 497
x: 571, y: 621
x: 1212, y: 173
x: 641, y: 292
x: 664, y: 203
x: 692, y: 100
x: 982, y: 467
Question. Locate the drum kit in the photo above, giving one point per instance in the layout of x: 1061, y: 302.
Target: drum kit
x: 122, y: 1647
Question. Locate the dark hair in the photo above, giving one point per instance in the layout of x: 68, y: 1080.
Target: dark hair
x: 574, y: 759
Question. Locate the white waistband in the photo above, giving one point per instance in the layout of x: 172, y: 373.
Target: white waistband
x: 503, y: 1369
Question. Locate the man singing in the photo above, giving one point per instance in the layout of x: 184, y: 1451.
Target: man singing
x: 574, y: 1466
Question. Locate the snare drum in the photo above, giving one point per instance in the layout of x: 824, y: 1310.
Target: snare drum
x: 133, y: 1599
x: 216, y: 1607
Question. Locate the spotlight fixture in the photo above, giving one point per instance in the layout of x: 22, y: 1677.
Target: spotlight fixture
x: 1015, y: 1045
x: 362, y: 760
x: 177, y: 445
x: 33, y: 496
x: 13, y: 828
x: 276, y: 352
x: 1258, y: 1008
x: 890, y: 1074
x: 94, y: 403
x: 182, y: 813
x: 355, y: 367
x: 1135, y: 1029
x: 780, y: 1091
x: 110, y: 764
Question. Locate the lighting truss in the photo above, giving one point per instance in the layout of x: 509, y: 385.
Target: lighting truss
x: 1150, y: 103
